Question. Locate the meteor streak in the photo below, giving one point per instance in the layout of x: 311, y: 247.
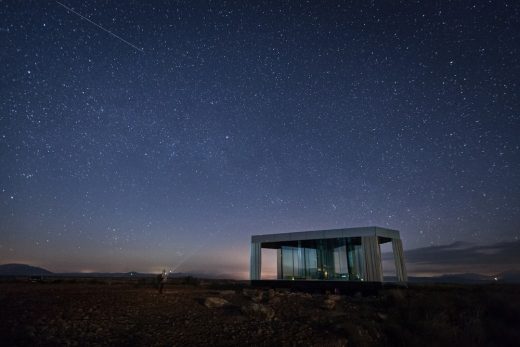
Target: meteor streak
x: 100, y: 27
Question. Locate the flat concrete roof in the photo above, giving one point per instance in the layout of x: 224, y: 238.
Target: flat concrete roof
x: 327, y: 234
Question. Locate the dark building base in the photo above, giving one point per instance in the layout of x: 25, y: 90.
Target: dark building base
x: 335, y: 287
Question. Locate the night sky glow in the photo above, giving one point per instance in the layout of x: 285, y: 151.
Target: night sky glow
x: 229, y: 119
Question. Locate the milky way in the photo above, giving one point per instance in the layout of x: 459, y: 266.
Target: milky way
x: 240, y: 119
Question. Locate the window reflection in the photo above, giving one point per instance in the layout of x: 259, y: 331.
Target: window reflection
x: 328, y: 259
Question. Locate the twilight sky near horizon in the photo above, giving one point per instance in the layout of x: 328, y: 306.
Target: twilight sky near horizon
x: 217, y: 120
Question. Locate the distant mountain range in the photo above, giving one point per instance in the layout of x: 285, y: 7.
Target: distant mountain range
x: 22, y: 270
x: 28, y: 270
x: 468, y: 278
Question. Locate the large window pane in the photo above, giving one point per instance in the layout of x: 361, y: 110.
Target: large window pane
x: 330, y: 259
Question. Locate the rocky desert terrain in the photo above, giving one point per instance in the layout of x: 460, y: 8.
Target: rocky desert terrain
x: 230, y: 313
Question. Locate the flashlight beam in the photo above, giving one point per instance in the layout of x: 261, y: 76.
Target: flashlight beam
x: 195, y: 251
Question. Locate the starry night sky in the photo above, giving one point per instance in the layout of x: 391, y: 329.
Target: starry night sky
x: 229, y: 120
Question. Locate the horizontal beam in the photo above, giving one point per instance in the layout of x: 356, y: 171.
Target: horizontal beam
x: 327, y: 234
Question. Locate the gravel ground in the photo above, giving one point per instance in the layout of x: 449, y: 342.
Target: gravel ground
x: 57, y: 314
x: 85, y: 314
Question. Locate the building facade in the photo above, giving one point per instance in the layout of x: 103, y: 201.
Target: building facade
x: 352, y: 254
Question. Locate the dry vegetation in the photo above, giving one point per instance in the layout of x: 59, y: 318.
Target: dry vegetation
x: 191, y: 313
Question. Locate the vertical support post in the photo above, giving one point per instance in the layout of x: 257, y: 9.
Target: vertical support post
x: 256, y: 261
x: 400, y: 268
x: 279, y: 272
x: 372, y: 255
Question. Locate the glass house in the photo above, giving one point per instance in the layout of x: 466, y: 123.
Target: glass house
x: 352, y: 254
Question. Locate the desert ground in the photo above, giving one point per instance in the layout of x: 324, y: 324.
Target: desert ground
x: 190, y: 312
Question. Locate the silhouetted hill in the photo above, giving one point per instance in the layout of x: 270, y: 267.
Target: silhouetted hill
x: 22, y: 270
x: 105, y: 274
x: 464, y: 278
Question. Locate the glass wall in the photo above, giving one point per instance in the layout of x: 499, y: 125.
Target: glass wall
x: 329, y: 259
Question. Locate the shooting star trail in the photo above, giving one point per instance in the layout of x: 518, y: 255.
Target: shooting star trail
x: 100, y: 27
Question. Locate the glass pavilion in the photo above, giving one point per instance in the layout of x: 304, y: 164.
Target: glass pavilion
x: 351, y: 254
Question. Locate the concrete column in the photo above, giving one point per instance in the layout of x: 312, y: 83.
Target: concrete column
x: 279, y: 272
x: 400, y: 268
x: 256, y: 261
x: 372, y: 255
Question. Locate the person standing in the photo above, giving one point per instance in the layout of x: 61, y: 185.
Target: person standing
x: 163, y: 277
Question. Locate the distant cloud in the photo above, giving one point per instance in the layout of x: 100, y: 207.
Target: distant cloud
x: 460, y: 257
